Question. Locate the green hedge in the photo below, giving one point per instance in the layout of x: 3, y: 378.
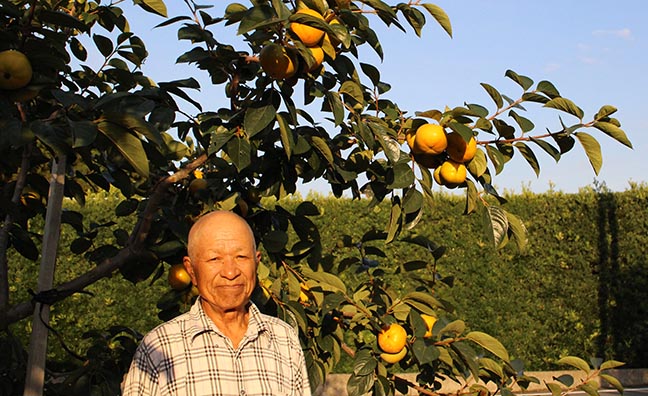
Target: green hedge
x: 581, y: 288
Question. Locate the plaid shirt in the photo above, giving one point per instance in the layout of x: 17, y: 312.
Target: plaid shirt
x: 190, y: 356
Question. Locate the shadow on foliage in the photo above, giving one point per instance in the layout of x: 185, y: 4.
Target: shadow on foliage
x: 623, y: 291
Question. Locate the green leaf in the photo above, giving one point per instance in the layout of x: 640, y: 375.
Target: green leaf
x: 372, y: 72
x: 613, y: 381
x: 275, y: 241
x: 283, y: 12
x: 424, y: 298
x: 504, y: 130
x: 590, y: 387
x: 256, y: 17
x: 534, y: 97
x: 126, y: 207
x: 58, y: 18
x: 403, y: 176
x: 359, y: 385
x: 494, y: 94
x: 605, y: 112
x: 548, y: 148
x: 610, y: 364
x: 548, y: 89
x: 496, y: 224
x: 382, y: 7
x: 287, y: 138
x: 468, y: 355
x: 489, y: 343
x: 104, y: 44
x: 525, y: 124
x: 440, y: 16
x: 523, y: 81
x: 80, y: 245
x: 592, y: 149
x: 472, y: 197
x: 456, y: 327
x: 257, y: 117
x: 529, y: 156
x: 565, y: 142
x: 78, y: 50
x: 389, y: 145
x: 353, y: 90
x: 128, y: 145
x: 219, y: 138
x: 566, y: 105
x: 412, y: 201
x: 415, y: 18
x: 565, y: 379
x: 139, y: 125
x: 492, y: 366
x: 22, y: 242
x: 496, y: 157
x: 234, y: 12
x: 479, y: 164
x: 320, y: 145
x: 334, y: 283
x: 433, y: 114
x: 394, y: 221
x: 614, y: 131
x: 575, y: 362
x: 518, y: 231
x: 364, y: 363
x: 424, y: 354
x: 84, y: 133
x: 462, y: 130
x: 240, y: 152
x: 556, y: 390
x: 335, y: 104
x: 173, y: 88
x: 153, y: 6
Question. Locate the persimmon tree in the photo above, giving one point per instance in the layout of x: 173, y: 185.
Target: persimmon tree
x: 173, y: 158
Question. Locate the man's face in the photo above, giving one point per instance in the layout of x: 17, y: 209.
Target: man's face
x: 223, y: 263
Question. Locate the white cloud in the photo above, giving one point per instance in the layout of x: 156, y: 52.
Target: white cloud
x: 589, y: 60
x: 551, y: 67
x: 625, y: 33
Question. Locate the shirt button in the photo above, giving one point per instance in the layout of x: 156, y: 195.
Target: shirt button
x: 242, y: 392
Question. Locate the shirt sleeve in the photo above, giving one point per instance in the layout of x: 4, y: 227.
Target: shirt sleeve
x: 303, y: 373
x: 142, y: 376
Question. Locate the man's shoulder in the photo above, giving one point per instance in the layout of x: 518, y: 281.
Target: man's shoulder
x: 169, y: 327
x: 173, y: 328
x: 278, y: 324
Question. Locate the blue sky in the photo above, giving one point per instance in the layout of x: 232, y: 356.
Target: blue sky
x: 595, y: 52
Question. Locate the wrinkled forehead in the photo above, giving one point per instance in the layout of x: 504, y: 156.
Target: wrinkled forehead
x: 220, y: 225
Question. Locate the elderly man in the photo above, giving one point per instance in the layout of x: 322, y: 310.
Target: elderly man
x: 224, y: 345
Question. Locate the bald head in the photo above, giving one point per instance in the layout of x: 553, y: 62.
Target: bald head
x: 222, y: 262
x: 219, y: 221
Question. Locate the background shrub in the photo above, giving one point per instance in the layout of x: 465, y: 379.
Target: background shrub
x: 581, y: 288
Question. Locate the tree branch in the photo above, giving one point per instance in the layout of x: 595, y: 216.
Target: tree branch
x: 4, y: 232
x: 135, y: 247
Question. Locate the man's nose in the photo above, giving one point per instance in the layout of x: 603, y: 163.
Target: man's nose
x: 230, y: 270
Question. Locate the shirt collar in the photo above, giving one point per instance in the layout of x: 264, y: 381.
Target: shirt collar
x: 198, y: 322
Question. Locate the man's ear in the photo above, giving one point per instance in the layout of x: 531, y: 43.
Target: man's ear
x: 186, y: 261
